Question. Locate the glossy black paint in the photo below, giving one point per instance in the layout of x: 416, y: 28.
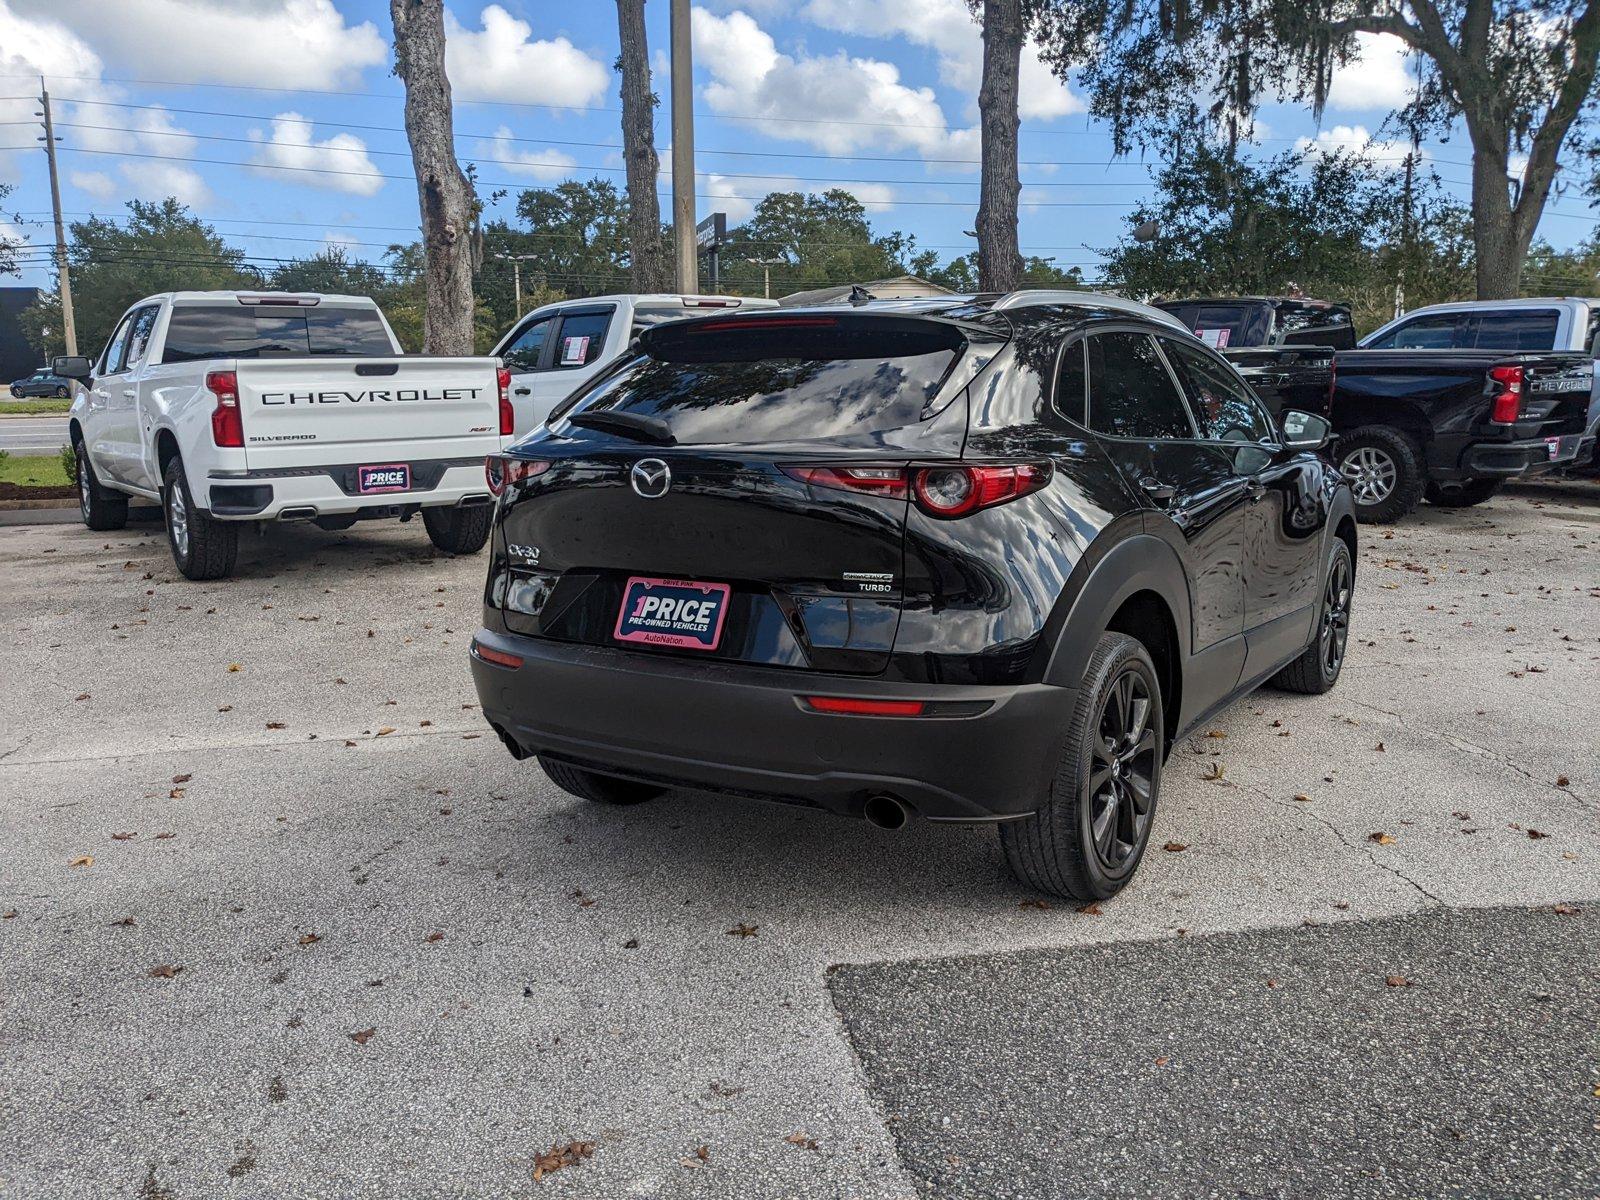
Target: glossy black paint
x: 1443, y: 399
x: 1221, y: 568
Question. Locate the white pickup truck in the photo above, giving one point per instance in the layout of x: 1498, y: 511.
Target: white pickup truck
x: 558, y: 347
x: 233, y: 407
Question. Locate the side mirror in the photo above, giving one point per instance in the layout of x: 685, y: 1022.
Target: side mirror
x: 1305, y: 431
x: 72, y: 366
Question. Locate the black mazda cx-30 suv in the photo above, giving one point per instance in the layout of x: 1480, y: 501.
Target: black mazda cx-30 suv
x: 971, y: 560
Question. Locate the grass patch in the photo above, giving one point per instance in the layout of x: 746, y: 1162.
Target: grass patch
x: 33, y: 408
x: 34, y: 470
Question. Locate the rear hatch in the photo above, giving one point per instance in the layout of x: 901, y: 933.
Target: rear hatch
x: 753, y: 493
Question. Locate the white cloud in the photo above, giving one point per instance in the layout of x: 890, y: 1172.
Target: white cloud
x: 547, y: 165
x: 97, y: 183
x: 501, y: 62
x: 843, y: 103
x: 31, y: 47
x: 1354, y: 139
x: 1379, y: 77
x: 947, y: 27
x: 284, y: 44
x: 157, y: 180
x: 293, y: 144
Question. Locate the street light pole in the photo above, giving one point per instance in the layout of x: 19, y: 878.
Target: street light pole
x: 516, y: 261
x: 766, y: 265
x: 683, y: 151
x: 69, y: 324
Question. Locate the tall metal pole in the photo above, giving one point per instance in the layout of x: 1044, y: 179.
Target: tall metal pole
x: 516, y: 283
x: 69, y: 325
x: 683, y: 150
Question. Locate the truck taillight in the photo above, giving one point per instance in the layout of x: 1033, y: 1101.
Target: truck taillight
x: 508, y: 417
x: 1507, y: 406
x: 227, y: 428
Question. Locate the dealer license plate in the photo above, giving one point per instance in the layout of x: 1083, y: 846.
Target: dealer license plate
x: 673, y: 612
x: 390, y: 477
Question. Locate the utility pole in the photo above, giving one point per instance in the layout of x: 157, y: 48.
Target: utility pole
x: 69, y: 326
x: 516, y: 261
x: 1405, y: 233
x: 683, y: 151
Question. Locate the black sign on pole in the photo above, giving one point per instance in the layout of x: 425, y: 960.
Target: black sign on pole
x: 709, y: 236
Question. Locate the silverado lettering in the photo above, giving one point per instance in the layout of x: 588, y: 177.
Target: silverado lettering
x: 401, y: 396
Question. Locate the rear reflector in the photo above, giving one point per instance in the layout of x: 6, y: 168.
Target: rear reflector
x: 851, y: 706
x: 498, y: 658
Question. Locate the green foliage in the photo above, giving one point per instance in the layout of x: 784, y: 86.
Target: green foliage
x: 8, y: 246
x: 1333, y: 225
x: 331, y: 271
x: 961, y: 274
x: 159, y: 247
x: 69, y: 461
x: 1552, y: 272
x: 816, y: 240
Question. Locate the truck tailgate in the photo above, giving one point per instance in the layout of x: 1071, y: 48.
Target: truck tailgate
x: 312, y: 412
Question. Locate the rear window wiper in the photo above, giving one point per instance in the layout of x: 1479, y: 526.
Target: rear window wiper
x: 630, y: 425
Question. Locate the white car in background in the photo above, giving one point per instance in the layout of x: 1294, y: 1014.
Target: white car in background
x: 555, y: 349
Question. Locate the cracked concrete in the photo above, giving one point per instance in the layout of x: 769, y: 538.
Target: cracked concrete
x: 586, y: 984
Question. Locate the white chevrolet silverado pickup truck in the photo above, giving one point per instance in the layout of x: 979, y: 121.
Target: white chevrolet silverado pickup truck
x: 233, y: 407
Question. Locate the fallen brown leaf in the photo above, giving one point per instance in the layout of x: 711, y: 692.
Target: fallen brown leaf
x: 435, y: 936
x: 1537, y: 834
x: 81, y: 696
x: 1092, y: 909
x: 1562, y: 781
x: 276, y: 725
x: 163, y: 971
x: 1162, y: 1061
x: 558, y: 1156
x: 161, y: 837
x: 182, y: 778
x: 802, y: 1139
x: 1302, y: 798
x: 225, y: 708
x: 365, y: 1036
x: 83, y: 860
x: 310, y: 939
x: 177, y: 793
x: 1397, y: 981
x: 235, y: 667
x: 126, y: 922
x: 1383, y: 839
x: 1213, y: 771
x: 1567, y: 910
x: 385, y: 731
x: 1175, y: 847
x: 122, y: 837
x: 743, y: 931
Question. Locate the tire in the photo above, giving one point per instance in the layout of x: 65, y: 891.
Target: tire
x: 1317, y: 669
x: 459, y: 530
x: 1072, y: 846
x: 101, y: 508
x: 1461, y: 495
x: 337, y: 523
x: 16, y: 393
x: 202, y: 546
x: 1384, y: 468
x: 61, y: 393
x: 601, y: 789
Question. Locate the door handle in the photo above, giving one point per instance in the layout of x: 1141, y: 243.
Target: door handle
x: 522, y: 391
x: 1157, y: 490
x: 129, y: 393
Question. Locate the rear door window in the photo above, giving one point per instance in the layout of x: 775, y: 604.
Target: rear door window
x: 527, y: 351
x: 751, y: 386
x: 1436, y: 331
x: 1516, y: 329
x: 1131, y: 392
x: 1072, y: 383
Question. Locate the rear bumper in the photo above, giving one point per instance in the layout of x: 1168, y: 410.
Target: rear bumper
x: 1506, y: 460
x: 265, y: 496
x: 741, y: 729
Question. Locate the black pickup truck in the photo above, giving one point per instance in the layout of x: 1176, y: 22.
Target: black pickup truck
x: 1282, y: 345
x: 1452, y: 425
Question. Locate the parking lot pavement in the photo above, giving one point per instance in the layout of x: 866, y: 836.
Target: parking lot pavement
x: 1455, y: 1058
x: 651, y: 980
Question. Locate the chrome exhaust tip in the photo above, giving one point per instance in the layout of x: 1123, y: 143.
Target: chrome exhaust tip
x: 884, y: 811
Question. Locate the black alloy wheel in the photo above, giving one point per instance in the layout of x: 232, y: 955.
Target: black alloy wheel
x: 1122, y: 777
x: 1334, y: 631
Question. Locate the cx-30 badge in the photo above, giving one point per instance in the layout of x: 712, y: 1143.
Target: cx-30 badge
x: 650, y: 478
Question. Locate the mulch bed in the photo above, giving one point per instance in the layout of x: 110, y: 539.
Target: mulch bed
x: 15, y: 491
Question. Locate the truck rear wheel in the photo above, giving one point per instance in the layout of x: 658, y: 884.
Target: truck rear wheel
x: 458, y: 530
x: 100, y: 508
x: 1384, y: 468
x: 202, y: 546
x: 1462, y: 495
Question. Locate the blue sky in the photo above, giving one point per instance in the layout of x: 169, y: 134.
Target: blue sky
x: 280, y: 121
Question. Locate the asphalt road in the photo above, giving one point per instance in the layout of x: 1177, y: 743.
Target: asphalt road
x: 654, y: 980
x: 33, y: 435
x: 1447, y: 1053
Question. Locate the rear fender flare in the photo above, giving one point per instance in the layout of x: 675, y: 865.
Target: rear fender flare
x: 1097, y: 589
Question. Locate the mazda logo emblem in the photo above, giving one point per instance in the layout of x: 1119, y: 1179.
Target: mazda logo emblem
x: 650, y: 478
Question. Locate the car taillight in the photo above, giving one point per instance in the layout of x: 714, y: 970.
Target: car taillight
x: 941, y: 491
x: 1507, y: 406
x: 227, y: 428
x: 500, y: 472
x: 508, y: 416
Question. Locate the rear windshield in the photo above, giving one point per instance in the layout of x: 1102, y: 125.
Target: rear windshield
x: 1223, y: 325
x: 720, y: 383
x: 198, y: 332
